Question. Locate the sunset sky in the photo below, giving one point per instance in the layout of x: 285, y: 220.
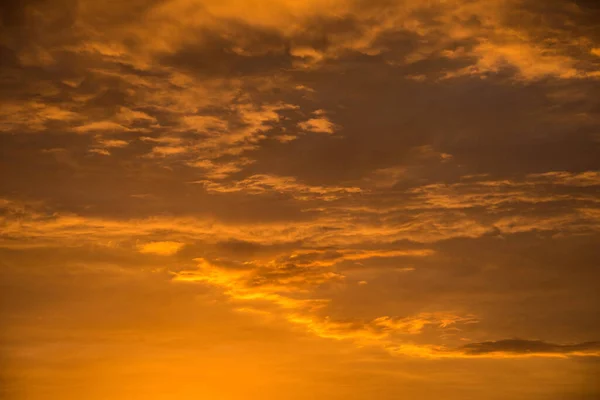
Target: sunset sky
x: 299, y: 199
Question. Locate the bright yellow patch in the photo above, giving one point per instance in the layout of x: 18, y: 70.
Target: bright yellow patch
x: 160, y: 248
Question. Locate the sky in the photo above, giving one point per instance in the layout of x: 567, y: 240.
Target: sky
x: 299, y: 199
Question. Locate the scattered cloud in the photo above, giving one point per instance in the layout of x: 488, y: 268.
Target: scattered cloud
x: 388, y: 180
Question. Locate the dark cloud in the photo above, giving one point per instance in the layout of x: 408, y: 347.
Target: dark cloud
x: 241, y: 52
x: 519, y: 346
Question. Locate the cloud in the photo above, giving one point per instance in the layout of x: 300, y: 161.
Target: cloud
x: 104, y: 145
x: 164, y: 151
x: 102, y: 152
x: 112, y: 142
x: 202, y: 124
x: 290, y: 289
x: 319, y: 124
x: 324, y: 258
x: 102, y: 126
x: 166, y: 248
x: 347, y: 215
x: 31, y: 116
x: 531, y: 347
x: 534, y: 188
x: 280, y: 285
x: 266, y: 184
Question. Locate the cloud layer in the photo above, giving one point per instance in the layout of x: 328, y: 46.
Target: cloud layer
x: 385, y: 193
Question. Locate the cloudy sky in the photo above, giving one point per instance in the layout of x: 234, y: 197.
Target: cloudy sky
x: 299, y: 199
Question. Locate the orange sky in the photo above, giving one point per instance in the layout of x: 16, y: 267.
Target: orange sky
x: 285, y: 199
